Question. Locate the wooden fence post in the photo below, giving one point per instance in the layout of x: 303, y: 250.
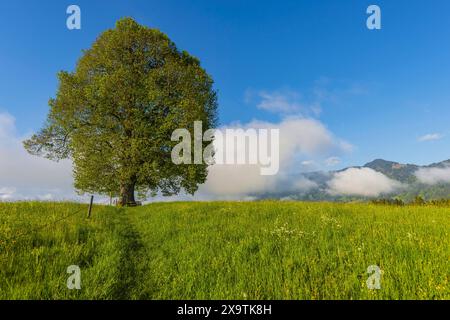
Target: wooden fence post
x: 90, y: 206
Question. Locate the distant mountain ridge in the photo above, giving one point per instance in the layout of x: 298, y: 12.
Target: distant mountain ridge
x: 401, y: 172
x: 394, y: 170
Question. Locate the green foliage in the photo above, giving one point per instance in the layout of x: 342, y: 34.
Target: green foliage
x: 114, y: 115
x: 392, y: 202
x: 226, y: 250
x: 419, y: 201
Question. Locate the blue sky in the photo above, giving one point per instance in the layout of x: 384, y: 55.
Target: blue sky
x: 379, y: 90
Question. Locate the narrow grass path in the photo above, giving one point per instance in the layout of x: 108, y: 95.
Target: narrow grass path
x: 131, y: 249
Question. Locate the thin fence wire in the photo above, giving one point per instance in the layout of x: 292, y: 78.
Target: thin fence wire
x: 43, y: 226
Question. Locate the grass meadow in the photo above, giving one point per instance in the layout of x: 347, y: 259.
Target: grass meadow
x: 224, y: 250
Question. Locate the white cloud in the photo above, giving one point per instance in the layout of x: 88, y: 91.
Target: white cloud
x: 24, y: 176
x: 6, y: 193
x: 304, y: 184
x: 430, y: 137
x: 308, y: 164
x: 7, y: 127
x: 310, y: 101
x: 332, y: 161
x: 284, y: 102
x: 362, y: 182
x: 299, y: 138
x: 433, y: 175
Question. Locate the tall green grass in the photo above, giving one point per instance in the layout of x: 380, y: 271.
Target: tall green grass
x: 225, y: 250
x: 33, y: 264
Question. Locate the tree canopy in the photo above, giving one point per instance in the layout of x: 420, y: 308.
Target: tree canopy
x: 114, y: 115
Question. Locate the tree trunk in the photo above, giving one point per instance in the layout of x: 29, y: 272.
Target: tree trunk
x: 127, y: 195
